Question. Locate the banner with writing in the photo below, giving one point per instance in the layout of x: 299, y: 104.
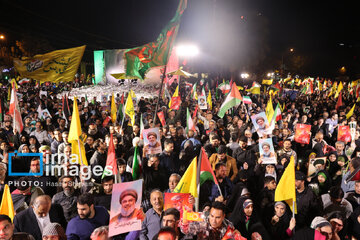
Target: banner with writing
x: 56, y: 66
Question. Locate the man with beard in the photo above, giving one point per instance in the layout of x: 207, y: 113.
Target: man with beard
x: 153, y: 146
x: 90, y: 217
x: 99, y: 157
x: 128, y: 199
x: 104, y: 197
x: 67, y: 197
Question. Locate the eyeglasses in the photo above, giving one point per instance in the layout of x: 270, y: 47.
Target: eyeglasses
x: 327, y: 234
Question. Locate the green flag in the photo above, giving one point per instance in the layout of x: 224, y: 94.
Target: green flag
x: 140, y: 59
x: 136, y: 165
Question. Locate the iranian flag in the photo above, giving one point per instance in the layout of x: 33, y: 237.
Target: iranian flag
x: 225, y: 87
x: 277, y: 113
x: 14, y: 110
x: 233, y: 99
x: 247, y: 100
x: 205, y: 171
x: 189, y: 122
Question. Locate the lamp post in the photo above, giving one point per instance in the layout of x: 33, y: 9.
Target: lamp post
x: 291, y: 50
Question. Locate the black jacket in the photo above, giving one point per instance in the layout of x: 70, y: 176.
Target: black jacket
x: 26, y: 221
x: 308, y: 207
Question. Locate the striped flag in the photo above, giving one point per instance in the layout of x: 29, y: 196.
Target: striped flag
x: 14, y: 110
x: 189, y: 122
x: 232, y: 100
x: 247, y: 100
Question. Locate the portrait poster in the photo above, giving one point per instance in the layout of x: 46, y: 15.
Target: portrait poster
x: 344, y: 134
x: 152, y: 143
x: 314, y: 166
x: 302, y: 133
x: 202, y: 102
x: 104, y: 100
x: 267, y: 151
x: 125, y: 211
x: 352, y: 126
x: 180, y: 201
x: 261, y: 124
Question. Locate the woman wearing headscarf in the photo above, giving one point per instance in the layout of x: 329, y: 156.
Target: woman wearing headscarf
x: 334, y: 169
x: 279, y: 223
x: 244, y: 216
x: 323, y: 182
x: 337, y: 221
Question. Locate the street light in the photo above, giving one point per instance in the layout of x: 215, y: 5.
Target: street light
x: 291, y: 50
x: 270, y: 74
x: 244, y: 75
x: 187, y: 50
x: 2, y: 36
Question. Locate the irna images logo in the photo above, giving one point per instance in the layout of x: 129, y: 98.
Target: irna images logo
x: 59, y: 165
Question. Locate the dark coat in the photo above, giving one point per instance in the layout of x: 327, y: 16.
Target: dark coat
x: 26, y: 221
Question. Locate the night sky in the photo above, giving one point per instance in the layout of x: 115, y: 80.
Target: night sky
x: 239, y: 35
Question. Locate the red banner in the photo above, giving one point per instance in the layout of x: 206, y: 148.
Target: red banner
x: 302, y: 133
x: 162, y: 118
x: 344, y: 134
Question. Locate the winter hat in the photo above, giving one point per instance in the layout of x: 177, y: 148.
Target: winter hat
x: 319, y: 222
x: 54, y: 229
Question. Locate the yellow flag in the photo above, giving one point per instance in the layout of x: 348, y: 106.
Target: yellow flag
x: 320, y: 86
x: 285, y: 190
x: 176, y: 94
x: 269, y: 111
x: 75, y: 126
x: 56, y: 66
x: 7, y: 206
x: 267, y: 82
x: 187, y: 183
x: 351, y: 112
x: 13, y: 83
x: 209, y: 100
x: 339, y: 88
x: 132, y: 93
x: 9, y: 93
x: 333, y: 89
x: 129, y: 109
x: 113, y: 110
x: 77, y: 145
x: 240, y: 88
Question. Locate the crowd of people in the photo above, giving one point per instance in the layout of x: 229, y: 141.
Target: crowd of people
x: 61, y: 206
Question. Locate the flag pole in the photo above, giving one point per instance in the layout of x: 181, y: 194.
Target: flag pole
x: 80, y: 151
x: 161, y: 87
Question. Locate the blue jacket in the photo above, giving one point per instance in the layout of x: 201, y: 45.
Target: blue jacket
x: 81, y: 229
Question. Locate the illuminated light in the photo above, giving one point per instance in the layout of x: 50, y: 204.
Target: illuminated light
x: 244, y: 75
x: 187, y: 50
x: 2, y: 37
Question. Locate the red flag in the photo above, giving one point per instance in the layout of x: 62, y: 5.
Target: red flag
x: 195, y: 112
x: 162, y: 118
x: 111, y: 156
x: 14, y: 110
x: 339, y: 102
x: 122, y: 99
